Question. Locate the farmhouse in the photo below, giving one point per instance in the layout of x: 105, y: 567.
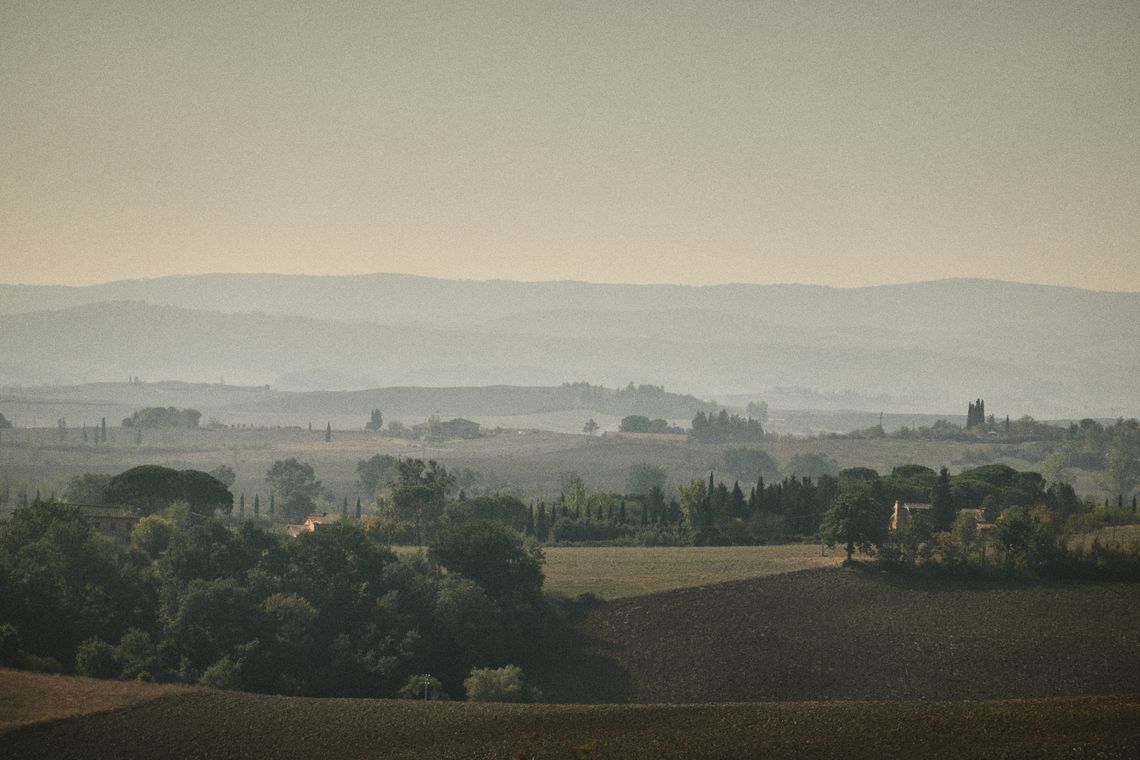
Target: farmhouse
x: 905, y: 512
x: 312, y: 524
x: 980, y: 521
x: 116, y: 522
x: 446, y: 430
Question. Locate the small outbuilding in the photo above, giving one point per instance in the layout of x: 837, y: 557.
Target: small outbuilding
x: 905, y: 511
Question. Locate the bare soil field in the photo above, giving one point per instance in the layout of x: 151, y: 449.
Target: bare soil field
x: 221, y: 725
x: 848, y: 633
x: 839, y: 662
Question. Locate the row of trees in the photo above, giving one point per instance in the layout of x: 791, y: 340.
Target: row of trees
x: 637, y: 423
x: 163, y: 417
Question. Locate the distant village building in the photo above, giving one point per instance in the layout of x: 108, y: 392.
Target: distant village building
x: 312, y: 524
x: 445, y: 430
x: 905, y: 512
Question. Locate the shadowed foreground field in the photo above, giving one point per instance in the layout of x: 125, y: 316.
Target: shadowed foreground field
x: 847, y: 633
x: 215, y: 724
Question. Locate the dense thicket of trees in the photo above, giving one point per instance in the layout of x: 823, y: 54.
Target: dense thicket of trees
x: 726, y: 428
x: 330, y: 613
x: 163, y: 417
x: 638, y: 423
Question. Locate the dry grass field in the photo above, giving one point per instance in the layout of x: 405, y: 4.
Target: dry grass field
x: 613, y: 572
x: 27, y: 698
x: 220, y: 725
x: 1123, y: 537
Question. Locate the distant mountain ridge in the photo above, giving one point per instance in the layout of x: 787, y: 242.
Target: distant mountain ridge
x: 1044, y: 350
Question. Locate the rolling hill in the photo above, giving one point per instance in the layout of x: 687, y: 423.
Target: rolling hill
x: 818, y: 663
x: 1041, y: 350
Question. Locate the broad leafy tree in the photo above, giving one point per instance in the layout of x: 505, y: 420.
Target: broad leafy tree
x: 374, y: 472
x: 497, y: 558
x: 643, y: 478
x: 855, y: 521
x: 296, y: 485
x: 151, y: 488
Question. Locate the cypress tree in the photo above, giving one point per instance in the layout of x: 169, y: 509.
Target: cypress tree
x: 256, y: 505
x: 737, y: 505
x: 357, y: 507
x: 621, y: 513
x: 707, y: 507
x: 103, y: 429
x: 272, y: 505
x: 530, y: 521
x: 328, y: 433
x: 344, y: 509
x: 541, y: 526
x: 942, y: 501
x: 241, y: 505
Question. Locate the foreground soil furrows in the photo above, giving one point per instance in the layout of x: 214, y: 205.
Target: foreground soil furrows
x: 228, y: 725
x: 852, y: 634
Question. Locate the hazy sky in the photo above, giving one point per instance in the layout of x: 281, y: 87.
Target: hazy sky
x: 836, y: 143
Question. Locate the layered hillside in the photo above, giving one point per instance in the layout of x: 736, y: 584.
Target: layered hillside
x: 1040, y: 350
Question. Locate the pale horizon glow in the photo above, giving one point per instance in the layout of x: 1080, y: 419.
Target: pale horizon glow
x: 839, y: 144
x: 695, y: 284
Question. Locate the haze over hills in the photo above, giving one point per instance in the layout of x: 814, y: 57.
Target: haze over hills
x: 1029, y: 349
